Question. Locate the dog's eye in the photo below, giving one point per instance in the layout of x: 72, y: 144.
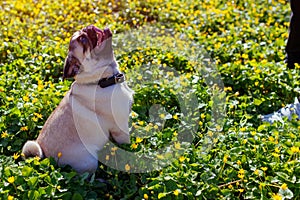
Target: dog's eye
x: 83, y: 39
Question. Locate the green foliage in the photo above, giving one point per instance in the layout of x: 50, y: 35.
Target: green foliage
x: 246, y: 39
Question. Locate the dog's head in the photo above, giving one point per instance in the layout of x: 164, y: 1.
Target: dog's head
x: 89, y: 48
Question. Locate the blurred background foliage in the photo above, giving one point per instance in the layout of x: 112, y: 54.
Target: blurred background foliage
x: 245, y: 39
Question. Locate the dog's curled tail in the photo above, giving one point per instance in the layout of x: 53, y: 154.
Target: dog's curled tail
x: 32, y: 149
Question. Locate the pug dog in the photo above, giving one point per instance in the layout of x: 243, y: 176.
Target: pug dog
x: 95, y: 109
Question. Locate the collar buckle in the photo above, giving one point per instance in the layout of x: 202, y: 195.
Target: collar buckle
x: 116, y: 78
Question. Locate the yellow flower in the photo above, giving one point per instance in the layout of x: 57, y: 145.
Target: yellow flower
x: 140, y: 77
x: 225, y: 159
x: 114, y: 148
x: 181, y: 158
x: 210, y: 133
x: 276, y: 155
x: 239, y: 162
x: 127, y: 167
x: 264, y: 168
x: 40, y: 87
x: 284, y: 186
x: 256, y: 172
x: 170, y: 73
x: 11, y: 179
x: 59, y: 154
x: 169, y: 55
x: 4, y: 134
x: 138, y: 140
x: 175, y: 134
x: 227, y: 89
x: 16, y: 156
x: 35, y: 100
x: 241, y: 171
x: 175, y: 116
x: 271, y: 139
x: 276, y: 197
x: 37, y: 158
x: 162, y: 115
x: 295, y: 149
x: 134, y: 146
x: 107, y: 157
x: 241, y: 190
x: 24, y: 128
x: 10, y: 197
x: 253, y: 133
x: 26, y: 98
x: 35, y: 119
x: 202, y: 116
x: 241, y: 176
x: 218, y: 128
x: 176, y: 192
x: 245, y: 56
x: 243, y: 129
x: 146, y: 196
x: 133, y: 114
x: 177, y: 145
x: 10, y: 98
x: 38, y: 115
x: 230, y: 186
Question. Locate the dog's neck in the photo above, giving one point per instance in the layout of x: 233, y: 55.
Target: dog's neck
x: 92, y: 77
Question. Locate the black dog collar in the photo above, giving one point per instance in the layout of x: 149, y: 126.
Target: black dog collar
x: 106, y: 82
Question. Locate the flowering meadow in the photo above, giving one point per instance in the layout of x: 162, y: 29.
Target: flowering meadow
x: 245, y: 39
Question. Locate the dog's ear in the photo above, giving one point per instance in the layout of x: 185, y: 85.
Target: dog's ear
x: 71, y: 67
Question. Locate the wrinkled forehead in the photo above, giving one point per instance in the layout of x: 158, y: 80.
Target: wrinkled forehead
x: 73, y: 41
x: 76, y: 35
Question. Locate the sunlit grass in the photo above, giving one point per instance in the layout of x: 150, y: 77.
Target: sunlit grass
x: 246, y: 40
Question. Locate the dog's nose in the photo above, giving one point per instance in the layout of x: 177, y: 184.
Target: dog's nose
x: 107, y: 32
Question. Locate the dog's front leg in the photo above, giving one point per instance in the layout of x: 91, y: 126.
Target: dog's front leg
x: 120, y: 137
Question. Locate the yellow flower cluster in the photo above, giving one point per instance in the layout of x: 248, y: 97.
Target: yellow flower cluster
x: 241, y: 173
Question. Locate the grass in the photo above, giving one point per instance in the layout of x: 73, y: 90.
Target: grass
x: 246, y: 41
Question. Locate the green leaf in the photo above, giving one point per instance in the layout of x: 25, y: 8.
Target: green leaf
x: 69, y: 176
x: 286, y: 177
x: 33, y: 194
x: 77, y: 196
x: 161, y: 195
x: 257, y: 102
x: 32, y: 182
x: 262, y: 127
x: 155, y: 187
x: 27, y: 171
x: 45, y: 162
